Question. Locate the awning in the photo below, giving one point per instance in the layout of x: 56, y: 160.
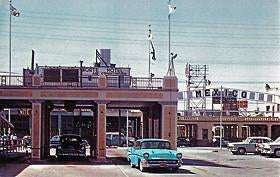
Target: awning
x: 4, y: 123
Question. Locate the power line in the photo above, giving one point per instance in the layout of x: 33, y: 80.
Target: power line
x: 142, y: 42
x: 159, y: 33
x: 51, y: 15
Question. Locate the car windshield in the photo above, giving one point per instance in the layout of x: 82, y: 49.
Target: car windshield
x: 155, y: 145
x: 247, y: 140
x: 277, y: 140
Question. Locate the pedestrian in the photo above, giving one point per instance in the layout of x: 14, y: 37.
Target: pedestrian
x: 14, y: 138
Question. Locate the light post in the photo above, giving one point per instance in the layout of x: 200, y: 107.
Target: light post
x: 171, y: 9
x: 221, y: 114
x: 10, y: 44
x: 14, y: 12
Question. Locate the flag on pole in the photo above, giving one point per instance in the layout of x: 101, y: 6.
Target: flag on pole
x: 150, y: 36
x: 171, y: 8
x: 14, y: 11
x: 153, y: 51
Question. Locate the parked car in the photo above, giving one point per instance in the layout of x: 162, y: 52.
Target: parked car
x: 216, y: 141
x: 247, y: 146
x: 183, y: 142
x: 112, y: 139
x: 153, y: 153
x: 69, y: 145
x: 272, y: 149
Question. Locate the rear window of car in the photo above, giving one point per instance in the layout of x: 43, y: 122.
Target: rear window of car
x: 55, y: 138
x: 70, y: 139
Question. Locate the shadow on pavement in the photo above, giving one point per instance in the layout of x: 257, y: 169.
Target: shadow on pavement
x: 196, y: 162
x: 167, y: 171
x: 12, y: 169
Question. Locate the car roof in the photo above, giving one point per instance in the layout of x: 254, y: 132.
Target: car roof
x: 262, y: 137
x: 70, y: 135
x: 152, y: 139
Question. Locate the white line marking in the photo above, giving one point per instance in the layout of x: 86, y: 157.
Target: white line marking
x: 123, y: 171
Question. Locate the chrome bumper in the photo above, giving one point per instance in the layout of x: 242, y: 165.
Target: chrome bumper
x: 163, y: 164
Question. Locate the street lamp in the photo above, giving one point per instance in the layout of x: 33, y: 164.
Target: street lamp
x: 170, y: 71
x: 221, y: 114
x: 13, y: 12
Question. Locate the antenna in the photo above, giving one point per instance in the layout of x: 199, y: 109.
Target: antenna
x: 32, y: 60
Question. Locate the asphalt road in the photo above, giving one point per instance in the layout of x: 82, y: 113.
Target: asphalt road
x: 197, y: 162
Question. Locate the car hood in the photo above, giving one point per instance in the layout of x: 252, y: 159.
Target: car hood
x: 161, y: 153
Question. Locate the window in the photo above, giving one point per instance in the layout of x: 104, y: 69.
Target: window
x: 256, y: 141
x: 70, y: 75
x: 205, y: 134
x: 266, y: 141
x: 137, y: 145
x: 51, y: 75
x: 155, y: 145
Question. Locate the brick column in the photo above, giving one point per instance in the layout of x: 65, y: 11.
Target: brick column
x: 36, y: 130
x: 102, y: 81
x: 36, y: 80
x: 101, y: 131
x: 169, y: 124
x: 269, y: 130
x: 239, y: 136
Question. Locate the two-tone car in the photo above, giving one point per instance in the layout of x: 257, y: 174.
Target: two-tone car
x: 153, y: 153
x: 247, y: 146
x: 272, y: 149
x: 69, y: 145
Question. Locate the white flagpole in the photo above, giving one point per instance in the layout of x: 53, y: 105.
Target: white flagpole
x: 150, y: 33
x: 10, y: 45
x: 221, y: 114
x: 169, y: 55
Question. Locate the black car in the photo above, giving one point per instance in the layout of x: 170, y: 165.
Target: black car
x: 68, y: 145
x: 183, y: 142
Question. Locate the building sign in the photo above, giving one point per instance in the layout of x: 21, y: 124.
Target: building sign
x: 96, y: 71
x: 228, y: 95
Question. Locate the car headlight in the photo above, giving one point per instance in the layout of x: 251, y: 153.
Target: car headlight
x: 58, y: 147
x: 179, y: 155
x: 146, y: 155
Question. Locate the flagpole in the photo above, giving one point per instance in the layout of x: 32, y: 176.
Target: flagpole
x: 169, y: 40
x: 149, y: 74
x: 10, y: 45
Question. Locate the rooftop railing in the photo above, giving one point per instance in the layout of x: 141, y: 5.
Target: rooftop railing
x: 86, y: 81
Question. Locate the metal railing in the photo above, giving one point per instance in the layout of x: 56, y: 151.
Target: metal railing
x: 118, y: 81
x: 134, y: 82
x: 147, y: 83
x: 87, y: 81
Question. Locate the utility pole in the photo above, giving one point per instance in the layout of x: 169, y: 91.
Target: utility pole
x: 10, y: 45
x: 221, y: 114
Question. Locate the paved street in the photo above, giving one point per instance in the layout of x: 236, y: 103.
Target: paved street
x: 197, y: 162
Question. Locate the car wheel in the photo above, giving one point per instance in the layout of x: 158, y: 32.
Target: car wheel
x: 241, y: 151
x: 174, y: 169
x: 143, y: 169
x: 277, y: 153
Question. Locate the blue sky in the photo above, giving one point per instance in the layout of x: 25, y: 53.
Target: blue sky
x: 238, y: 39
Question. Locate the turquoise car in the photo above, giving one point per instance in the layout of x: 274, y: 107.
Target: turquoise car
x: 153, y: 153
